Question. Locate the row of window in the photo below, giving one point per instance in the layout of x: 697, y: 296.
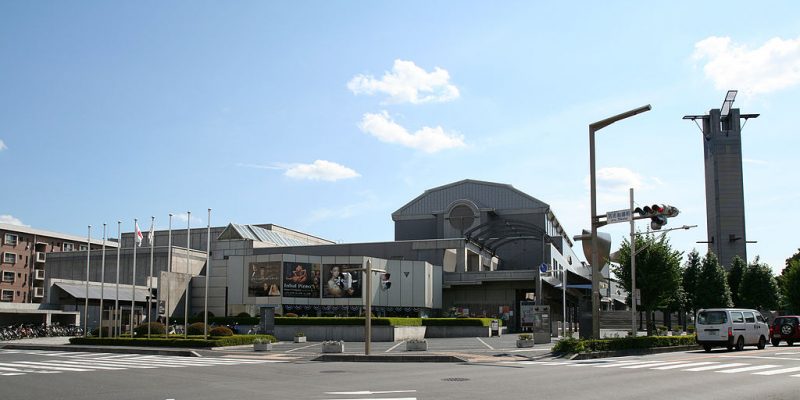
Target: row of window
x: 12, y: 239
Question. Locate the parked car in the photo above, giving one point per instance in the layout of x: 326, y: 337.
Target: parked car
x: 786, y: 328
x: 731, y: 328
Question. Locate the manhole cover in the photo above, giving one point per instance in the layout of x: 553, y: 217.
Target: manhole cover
x: 332, y: 372
x: 455, y: 379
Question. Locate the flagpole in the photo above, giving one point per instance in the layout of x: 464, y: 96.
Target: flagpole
x: 169, y: 270
x: 208, y: 276
x: 117, y: 319
x: 102, y: 280
x: 133, y: 280
x: 186, y: 292
x: 150, y: 278
x: 86, y: 302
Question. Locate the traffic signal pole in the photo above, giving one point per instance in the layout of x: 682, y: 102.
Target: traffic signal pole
x: 634, y: 298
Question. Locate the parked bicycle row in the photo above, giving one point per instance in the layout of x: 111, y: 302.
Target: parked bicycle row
x: 25, y: 331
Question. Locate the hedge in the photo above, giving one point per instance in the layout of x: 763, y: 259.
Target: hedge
x: 459, y: 321
x: 573, y: 346
x: 377, y: 321
x: 173, y: 342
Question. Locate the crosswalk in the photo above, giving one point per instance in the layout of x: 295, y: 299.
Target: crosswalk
x: 683, y: 365
x: 55, y: 362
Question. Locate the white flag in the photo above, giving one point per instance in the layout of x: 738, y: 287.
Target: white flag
x: 150, y: 235
x: 138, y: 236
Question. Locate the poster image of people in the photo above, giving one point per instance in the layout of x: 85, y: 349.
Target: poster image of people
x: 300, y: 279
x: 264, y: 279
x: 340, y: 283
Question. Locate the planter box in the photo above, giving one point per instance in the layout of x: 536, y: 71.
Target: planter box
x: 416, y: 346
x: 333, y: 347
x: 299, y: 339
x: 524, y: 343
x: 262, y: 346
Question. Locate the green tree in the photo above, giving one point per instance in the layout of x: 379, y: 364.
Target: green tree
x: 758, y: 289
x: 735, y: 278
x: 712, y: 287
x: 790, y: 287
x: 658, y: 273
x: 691, y: 274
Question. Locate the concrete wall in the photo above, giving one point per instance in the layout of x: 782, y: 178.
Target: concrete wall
x: 350, y: 333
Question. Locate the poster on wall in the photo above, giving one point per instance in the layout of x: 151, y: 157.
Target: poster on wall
x: 264, y: 279
x: 339, y: 283
x: 300, y: 279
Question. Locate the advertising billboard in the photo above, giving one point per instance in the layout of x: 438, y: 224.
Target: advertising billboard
x: 339, y: 283
x: 301, y: 279
x: 264, y: 279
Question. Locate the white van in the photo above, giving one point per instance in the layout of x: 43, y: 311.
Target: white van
x: 731, y: 328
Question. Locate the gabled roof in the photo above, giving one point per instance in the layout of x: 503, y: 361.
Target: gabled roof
x: 259, y: 234
x: 485, y: 195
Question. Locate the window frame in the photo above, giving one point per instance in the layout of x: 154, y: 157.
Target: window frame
x: 3, y: 296
x: 13, y: 277
x: 6, y: 254
x: 734, y: 315
x: 65, y: 244
x: 9, y: 242
x: 751, y: 319
x: 83, y: 247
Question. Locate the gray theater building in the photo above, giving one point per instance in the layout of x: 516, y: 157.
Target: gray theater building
x: 466, y: 248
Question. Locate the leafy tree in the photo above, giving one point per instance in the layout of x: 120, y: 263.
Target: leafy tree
x: 712, y: 287
x: 658, y: 273
x: 790, y: 286
x: 735, y: 278
x: 691, y: 274
x: 758, y: 289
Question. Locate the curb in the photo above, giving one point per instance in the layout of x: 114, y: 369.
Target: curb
x: 388, y: 358
x: 106, y: 349
x: 632, y: 352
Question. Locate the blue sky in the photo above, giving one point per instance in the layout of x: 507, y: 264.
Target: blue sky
x: 325, y: 117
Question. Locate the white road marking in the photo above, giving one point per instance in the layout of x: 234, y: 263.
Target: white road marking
x: 684, y: 365
x: 304, y: 347
x: 712, y: 367
x: 367, y: 392
x: 484, y: 343
x: 651, y: 364
x: 745, y: 369
x: 394, y: 347
x: 778, y: 371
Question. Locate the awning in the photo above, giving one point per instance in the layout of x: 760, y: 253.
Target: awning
x: 109, y: 292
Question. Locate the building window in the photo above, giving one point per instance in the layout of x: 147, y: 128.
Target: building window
x: 8, y: 276
x: 83, y: 247
x: 9, y: 258
x: 10, y: 239
x: 68, y: 246
x: 7, y: 296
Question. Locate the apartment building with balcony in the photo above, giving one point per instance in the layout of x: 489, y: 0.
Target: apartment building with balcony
x: 23, y: 260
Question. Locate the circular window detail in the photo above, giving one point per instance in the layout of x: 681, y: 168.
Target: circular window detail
x: 461, y: 217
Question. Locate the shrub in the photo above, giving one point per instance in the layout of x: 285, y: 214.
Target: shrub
x: 569, y: 346
x: 222, y: 341
x: 221, y: 331
x: 200, y: 315
x: 290, y: 315
x: 690, y: 328
x: 156, y: 328
x: 197, y: 328
x: 243, y: 314
x: 572, y: 346
x: 106, y: 332
x: 525, y: 336
x: 299, y: 334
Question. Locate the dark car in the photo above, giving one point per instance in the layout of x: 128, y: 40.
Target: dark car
x: 786, y: 328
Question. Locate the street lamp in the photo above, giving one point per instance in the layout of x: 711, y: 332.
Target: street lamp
x: 596, y: 269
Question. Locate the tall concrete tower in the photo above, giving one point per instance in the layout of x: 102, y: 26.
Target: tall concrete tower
x: 722, y: 143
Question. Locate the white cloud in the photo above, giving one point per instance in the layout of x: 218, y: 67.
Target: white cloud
x: 320, y: 170
x: 9, y: 219
x: 260, y: 166
x: 407, y: 83
x: 196, y: 221
x: 772, y: 67
x: 2, y: 145
x: 427, y: 139
x: 618, y: 179
x: 368, y: 203
x: 754, y: 161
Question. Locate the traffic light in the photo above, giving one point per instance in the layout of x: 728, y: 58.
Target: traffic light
x: 658, y: 214
x: 385, y: 282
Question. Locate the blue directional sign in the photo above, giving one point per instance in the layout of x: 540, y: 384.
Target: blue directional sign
x: 543, y: 267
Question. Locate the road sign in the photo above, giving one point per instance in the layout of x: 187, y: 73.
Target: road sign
x: 543, y: 267
x: 612, y: 217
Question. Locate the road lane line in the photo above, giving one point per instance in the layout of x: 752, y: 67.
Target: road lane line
x: 484, y: 343
x: 712, y: 367
x: 652, y: 364
x: 304, y: 347
x: 622, y: 363
x: 745, y: 369
x: 685, y: 365
x: 777, y: 371
x: 32, y: 364
x: 394, y: 347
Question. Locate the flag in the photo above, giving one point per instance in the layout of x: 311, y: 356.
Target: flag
x: 151, y: 233
x: 138, y: 236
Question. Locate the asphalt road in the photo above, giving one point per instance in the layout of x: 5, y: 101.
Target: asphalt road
x: 768, y: 374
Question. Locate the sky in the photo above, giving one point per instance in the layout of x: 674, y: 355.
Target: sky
x: 326, y: 117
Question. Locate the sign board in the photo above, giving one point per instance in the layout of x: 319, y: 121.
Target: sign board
x: 638, y: 297
x: 543, y: 268
x: 267, y: 320
x: 162, y: 307
x: 612, y: 217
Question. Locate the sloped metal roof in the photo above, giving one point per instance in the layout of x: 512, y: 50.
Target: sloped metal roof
x: 109, y: 291
x: 491, y: 195
x: 252, y: 232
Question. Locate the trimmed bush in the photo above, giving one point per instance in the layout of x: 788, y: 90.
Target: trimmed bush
x: 197, y: 328
x: 572, y: 346
x: 459, y: 321
x: 347, y: 321
x: 221, y: 331
x: 243, y: 314
x: 234, y: 340
x: 156, y: 328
